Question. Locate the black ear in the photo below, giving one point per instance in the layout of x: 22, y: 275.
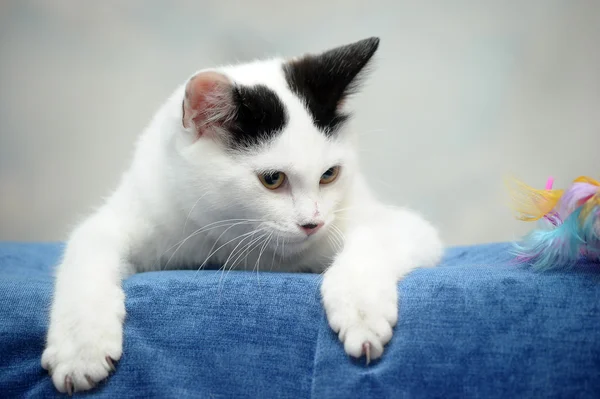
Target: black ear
x: 324, y: 80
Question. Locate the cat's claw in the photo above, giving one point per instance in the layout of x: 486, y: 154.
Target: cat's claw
x: 367, y: 352
x: 69, y: 385
x: 111, y: 363
x: 90, y: 381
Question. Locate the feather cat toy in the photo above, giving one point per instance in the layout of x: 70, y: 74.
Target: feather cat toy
x: 572, y: 223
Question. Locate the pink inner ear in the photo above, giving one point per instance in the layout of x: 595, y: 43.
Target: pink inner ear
x: 208, y: 102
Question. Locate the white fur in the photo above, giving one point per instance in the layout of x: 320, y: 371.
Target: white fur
x: 185, y: 202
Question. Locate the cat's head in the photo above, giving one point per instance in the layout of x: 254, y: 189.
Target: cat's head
x: 269, y: 140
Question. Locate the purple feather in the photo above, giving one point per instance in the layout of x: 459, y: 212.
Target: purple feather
x: 574, y: 197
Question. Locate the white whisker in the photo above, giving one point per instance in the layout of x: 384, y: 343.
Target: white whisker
x: 225, y: 271
x: 275, y: 251
x: 224, y: 267
x: 208, y: 227
x: 262, y: 249
x: 340, y: 232
x: 190, y: 212
x: 247, y: 249
x: 344, y: 209
x: 282, y: 250
x: 200, y: 231
x: 218, y: 238
x: 216, y: 250
x: 335, y: 238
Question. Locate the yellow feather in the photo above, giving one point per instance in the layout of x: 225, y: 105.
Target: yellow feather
x: 531, y: 204
x: 588, y: 180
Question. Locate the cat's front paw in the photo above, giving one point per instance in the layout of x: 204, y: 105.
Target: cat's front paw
x: 83, y: 343
x: 362, y: 309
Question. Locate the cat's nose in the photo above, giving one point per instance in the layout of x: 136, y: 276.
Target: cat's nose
x: 311, y: 228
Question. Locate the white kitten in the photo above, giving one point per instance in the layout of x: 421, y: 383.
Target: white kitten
x: 251, y: 166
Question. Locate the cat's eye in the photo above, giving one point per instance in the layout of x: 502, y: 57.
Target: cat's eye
x: 272, y: 180
x: 330, y: 175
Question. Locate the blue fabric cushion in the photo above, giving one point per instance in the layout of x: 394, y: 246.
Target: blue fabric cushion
x: 475, y: 327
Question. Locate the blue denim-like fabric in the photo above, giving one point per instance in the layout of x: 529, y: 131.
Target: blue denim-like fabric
x: 476, y: 327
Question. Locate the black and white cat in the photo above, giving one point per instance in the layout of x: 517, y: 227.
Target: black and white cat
x: 253, y: 165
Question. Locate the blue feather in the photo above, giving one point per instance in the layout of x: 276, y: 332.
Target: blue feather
x: 562, y: 246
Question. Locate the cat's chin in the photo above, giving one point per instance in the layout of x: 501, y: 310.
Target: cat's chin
x: 293, y: 248
x: 295, y: 244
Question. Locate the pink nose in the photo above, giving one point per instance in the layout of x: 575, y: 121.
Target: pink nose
x: 311, y: 228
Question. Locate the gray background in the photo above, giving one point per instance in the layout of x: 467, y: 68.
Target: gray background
x: 464, y: 93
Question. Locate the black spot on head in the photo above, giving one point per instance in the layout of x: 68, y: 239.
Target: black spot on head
x: 259, y: 116
x: 323, y: 81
